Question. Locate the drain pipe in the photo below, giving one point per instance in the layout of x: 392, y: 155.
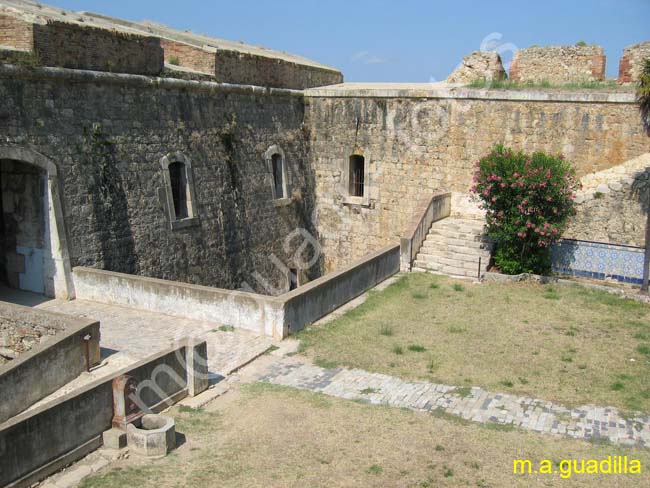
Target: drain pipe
x: 86, y: 339
x: 479, y: 269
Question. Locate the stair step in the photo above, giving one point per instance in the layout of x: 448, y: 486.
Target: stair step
x: 461, y: 248
x: 454, y: 246
x: 453, y: 262
x: 448, y: 270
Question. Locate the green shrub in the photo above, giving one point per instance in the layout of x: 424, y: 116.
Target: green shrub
x: 528, y: 199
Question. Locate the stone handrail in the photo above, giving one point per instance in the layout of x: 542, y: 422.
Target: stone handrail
x: 435, y: 208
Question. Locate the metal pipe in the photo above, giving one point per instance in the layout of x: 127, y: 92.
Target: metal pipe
x: 86, y: 339
x: 479, y: 268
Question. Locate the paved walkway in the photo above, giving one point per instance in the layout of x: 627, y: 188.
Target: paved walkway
x: 139, y: 333
x: 477, y: 405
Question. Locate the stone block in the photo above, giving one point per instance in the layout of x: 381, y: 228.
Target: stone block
x: 197, y: 366
x: 114, y: 439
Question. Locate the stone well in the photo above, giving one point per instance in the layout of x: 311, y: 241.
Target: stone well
x: 155, y: 437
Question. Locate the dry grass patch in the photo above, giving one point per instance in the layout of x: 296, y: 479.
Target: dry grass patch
x: 563, y: 343
x: 280, y: 437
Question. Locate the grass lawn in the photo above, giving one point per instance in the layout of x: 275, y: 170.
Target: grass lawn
x: 273, y: 436
x: 562, y: 343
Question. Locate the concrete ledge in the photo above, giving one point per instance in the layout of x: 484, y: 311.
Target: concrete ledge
x: 455, y: 91
x: 316, y: 299
x: 47, y: 366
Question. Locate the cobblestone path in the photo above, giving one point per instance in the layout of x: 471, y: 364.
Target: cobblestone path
x: 477, y: 405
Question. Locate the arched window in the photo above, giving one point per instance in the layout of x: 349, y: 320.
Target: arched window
x: 357, y: 175
x: 277, y: 166
x: 179, y: 190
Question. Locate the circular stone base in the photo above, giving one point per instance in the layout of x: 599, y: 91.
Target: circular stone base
x: 154, y: 439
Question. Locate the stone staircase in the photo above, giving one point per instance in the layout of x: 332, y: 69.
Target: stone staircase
x: 453, y: 247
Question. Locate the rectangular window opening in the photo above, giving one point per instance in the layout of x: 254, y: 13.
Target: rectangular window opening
x: 178, y: 180
x: 293, y: 279
x: 278, y: 175
x: 357, y: 176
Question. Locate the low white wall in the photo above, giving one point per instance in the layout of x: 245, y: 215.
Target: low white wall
x: 266, y: 315
x: 257, y: 313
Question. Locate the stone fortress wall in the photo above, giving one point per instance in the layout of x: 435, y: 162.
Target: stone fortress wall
x: 558, y: 64
x: 107, y: 134
x: 83, y: 40
x: 631, y: 63
x: 419, y: 142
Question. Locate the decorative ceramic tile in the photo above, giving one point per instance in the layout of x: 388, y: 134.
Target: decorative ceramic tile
x: 598, y: 260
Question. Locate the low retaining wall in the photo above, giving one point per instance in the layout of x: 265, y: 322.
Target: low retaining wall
x: 266, y: 315
x: 320, y: 297
x: 37, y: 443
x: 598, y: 260
x: 435, y: 208
x: 257, y: 313
x: 47, y: 366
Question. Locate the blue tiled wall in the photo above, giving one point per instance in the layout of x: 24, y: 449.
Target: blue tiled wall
x: 598, y: 260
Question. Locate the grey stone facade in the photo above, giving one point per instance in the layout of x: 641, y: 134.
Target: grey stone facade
x: 107, y: 136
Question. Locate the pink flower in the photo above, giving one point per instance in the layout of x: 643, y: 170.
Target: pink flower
x: 503, y: 185
x: 546, y: 225
x: 554, y: 231
x: 494, y: 199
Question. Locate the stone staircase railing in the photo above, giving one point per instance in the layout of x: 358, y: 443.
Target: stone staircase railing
x: 434, y: 208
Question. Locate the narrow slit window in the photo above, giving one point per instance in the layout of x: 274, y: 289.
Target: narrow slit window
x: 357, y: 175
x: 178, y: 180
x: 278, y: 175
x: 293, y: 279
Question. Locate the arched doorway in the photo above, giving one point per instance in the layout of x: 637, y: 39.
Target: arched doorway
x: 33, y: 249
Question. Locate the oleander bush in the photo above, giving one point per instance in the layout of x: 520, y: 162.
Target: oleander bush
x: 528, y: 199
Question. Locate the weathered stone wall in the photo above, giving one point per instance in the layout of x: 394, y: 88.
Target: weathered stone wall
x: 250, y: 69
x: 83, y: 40
x: 107, y: 134
x: 188, y: 56
x: 417, y: 144
x: 478, y: 65
x: 70, y: 45
x: 558, y: 64
x: 16, y: 33
x: 631, y: 63
x: 608, y: 210
x: 228, y: 66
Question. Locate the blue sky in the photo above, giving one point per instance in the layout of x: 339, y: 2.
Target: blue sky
x: 407, y: 40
